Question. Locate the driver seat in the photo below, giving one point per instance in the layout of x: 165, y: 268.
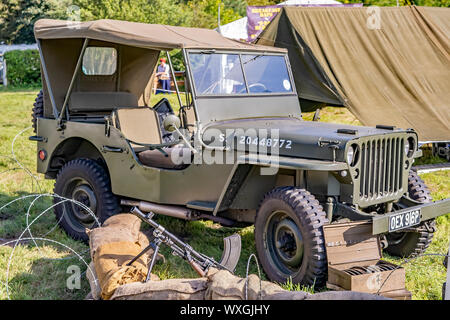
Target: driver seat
x: 141, y: 125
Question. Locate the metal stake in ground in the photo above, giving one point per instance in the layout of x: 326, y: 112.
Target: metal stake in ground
x: 447, y: 284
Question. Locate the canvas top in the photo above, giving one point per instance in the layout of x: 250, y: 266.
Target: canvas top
x: 151, y: 36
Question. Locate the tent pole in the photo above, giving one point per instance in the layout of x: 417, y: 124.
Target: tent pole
x: 47, y: 80
x: 218, y: 18
x: 174, y: 79
x: 5, y: 74
x: 447, y: 284
x: 74, y: 76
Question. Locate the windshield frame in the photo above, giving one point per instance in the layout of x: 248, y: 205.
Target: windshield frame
x: 240, y: 53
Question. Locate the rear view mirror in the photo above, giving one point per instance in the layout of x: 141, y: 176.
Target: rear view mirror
x: 171, y: 123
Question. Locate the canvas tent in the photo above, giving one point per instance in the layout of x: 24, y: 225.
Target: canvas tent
x: 396, y: 72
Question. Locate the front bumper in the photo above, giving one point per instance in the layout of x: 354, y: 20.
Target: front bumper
x: 380, y: 224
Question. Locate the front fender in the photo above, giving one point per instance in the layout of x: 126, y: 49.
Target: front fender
x: 269, y: 164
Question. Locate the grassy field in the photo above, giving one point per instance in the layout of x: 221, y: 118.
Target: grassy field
x: 41, y: 272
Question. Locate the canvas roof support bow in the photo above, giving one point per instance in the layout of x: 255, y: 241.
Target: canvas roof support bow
x: 174, y: 79
x: 69, y: 90
x: 47, y: 80
x: 190, y: 80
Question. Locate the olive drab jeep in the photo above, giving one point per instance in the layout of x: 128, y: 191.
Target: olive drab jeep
x: 234, y: 149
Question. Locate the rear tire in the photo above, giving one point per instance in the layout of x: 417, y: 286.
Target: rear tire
x: 87, y: 182
x: 289, y: 237
x: 405, y: 244
x: 38, y: 110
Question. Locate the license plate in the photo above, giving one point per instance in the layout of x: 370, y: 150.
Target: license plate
x: 404, y: 220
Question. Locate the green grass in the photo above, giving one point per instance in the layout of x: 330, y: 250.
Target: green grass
x: 289, y: 285
x: 332, y: 114
x: 41, y: 273
x: 18, y: 89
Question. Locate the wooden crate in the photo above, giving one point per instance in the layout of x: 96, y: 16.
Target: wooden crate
x: 354, y: 262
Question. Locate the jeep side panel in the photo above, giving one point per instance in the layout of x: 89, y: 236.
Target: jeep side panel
x: 128, y: 177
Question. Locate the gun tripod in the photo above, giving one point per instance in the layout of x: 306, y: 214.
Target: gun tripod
x: 154, y: 242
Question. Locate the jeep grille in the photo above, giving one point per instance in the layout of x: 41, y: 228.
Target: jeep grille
x: 381, y: 169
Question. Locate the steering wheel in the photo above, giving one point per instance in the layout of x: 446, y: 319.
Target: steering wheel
x: 257, y: 84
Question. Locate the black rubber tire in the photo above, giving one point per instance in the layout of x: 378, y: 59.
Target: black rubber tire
x: 434, y: 149
x: 98, y: 180
x: 413, y: 243
x: 38, y: 110
x: 305, y: 211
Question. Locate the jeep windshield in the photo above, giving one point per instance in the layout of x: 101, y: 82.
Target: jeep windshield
x: 239, y: 74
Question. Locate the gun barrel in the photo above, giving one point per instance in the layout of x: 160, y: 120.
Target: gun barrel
x: 157, y: 226
x: 197, y: 260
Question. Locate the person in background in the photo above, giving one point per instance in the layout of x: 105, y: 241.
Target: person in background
x: 162, y: 73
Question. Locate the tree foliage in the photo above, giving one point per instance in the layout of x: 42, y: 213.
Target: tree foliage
x: 192, y: 13
x: 429, y: 3
x: 23, y: 68
x: 263, y: 2
x: 18, y: 16
x: 204, y: 13
x: 148, y: 11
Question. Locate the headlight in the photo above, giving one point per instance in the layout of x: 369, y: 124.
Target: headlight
x: 410, y: 145
x: 352, y: 154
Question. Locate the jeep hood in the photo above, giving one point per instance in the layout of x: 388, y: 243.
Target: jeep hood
x: 313, y: 140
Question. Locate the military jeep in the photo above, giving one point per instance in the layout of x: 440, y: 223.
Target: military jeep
x: 236, y: 151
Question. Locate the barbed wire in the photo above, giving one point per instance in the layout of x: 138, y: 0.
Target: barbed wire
x: 52, y: 241
x: 34, y: 239
x: 20, y: 164
x: 35, y: 197
x: 259, y: 275
x: 407, y: 261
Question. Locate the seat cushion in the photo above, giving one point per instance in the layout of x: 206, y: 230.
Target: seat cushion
x: 138, y: 124
x: 156, y: 159
x: 100, y: 101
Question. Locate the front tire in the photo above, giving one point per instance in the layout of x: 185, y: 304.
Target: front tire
x: 87, y: 182
x: 405, y: 244
x: 289, y: 237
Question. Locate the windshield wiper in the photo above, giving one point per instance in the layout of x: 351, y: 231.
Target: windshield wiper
x: 254, y: 58
x: 208, y: 51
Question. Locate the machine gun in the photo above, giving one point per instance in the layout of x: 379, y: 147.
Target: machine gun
x: 199, y: 262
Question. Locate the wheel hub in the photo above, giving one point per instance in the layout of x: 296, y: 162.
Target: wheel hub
x: 288, y: 242
x: 85, y: 195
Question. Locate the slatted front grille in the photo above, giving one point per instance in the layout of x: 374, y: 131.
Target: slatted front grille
x: 381, y: 167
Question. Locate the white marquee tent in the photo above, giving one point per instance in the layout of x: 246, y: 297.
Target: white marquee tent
x: 238, y: 29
